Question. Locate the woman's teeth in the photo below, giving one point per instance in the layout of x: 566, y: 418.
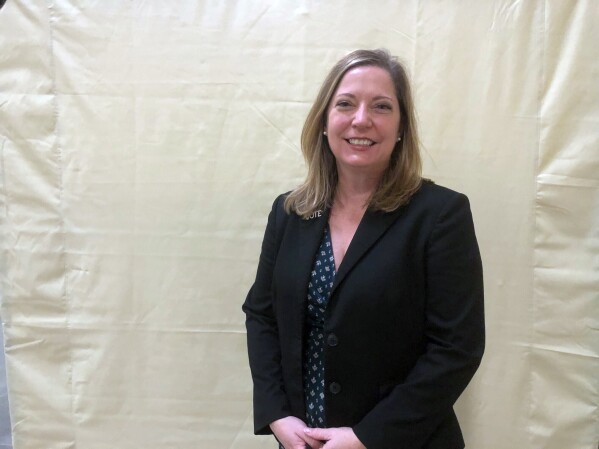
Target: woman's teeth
x: 362, y: 142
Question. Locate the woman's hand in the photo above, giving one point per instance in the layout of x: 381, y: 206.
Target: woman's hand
x: 335, y: 438
x: 290, y: 433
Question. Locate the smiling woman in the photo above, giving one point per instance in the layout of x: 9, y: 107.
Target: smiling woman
x: 402, y: 175
x: 365, y: 321
x: 363, y: 122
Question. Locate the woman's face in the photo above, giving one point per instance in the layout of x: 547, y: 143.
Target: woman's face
x: 363, y: 120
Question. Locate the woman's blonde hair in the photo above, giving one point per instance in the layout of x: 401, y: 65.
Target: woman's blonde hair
x: 403, y: 175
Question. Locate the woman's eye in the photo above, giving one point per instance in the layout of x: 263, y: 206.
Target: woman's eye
x: 343, y: 104
x: 384, y: 106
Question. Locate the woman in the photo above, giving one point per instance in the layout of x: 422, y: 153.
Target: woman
x: 365, y: 322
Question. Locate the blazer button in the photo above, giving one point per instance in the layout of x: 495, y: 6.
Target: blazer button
x: 335, y: 388
x: 332, y: 340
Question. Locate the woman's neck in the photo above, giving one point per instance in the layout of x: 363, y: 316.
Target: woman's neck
x: 355, y: 190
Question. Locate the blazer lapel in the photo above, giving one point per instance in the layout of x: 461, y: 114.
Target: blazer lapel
x: 371, y: 228
x: 307, y: 241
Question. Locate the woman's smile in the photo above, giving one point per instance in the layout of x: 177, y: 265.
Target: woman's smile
x: 360, y: 142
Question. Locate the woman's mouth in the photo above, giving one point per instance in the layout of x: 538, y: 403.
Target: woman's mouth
x: 361, y: 142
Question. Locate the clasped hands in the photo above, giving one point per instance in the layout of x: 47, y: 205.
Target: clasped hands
x: 293, y: 433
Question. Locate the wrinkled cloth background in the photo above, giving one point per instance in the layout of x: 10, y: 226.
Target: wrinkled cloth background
x: 142, y: 144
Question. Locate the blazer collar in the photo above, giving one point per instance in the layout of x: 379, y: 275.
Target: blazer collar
x: 371, y: 228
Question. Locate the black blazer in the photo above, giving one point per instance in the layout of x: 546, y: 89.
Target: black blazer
x: 404, y: 326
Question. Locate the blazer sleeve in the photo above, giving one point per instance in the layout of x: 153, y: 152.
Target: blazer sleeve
x: 454, y: 336
x: 270, y: 401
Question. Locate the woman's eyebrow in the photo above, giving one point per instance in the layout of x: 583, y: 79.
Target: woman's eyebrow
x: 378, y: 97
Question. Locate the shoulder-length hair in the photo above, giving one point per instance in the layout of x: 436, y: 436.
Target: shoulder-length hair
x: 401, y: 179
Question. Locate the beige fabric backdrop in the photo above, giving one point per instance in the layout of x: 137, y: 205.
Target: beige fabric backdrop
x: 141, y: 146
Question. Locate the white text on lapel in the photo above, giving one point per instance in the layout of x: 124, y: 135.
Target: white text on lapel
x: 316, y: 214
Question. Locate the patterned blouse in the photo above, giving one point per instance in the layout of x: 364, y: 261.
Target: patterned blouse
x: 319, y: 289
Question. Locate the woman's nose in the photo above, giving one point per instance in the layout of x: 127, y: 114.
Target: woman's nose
x: 362, y: 116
